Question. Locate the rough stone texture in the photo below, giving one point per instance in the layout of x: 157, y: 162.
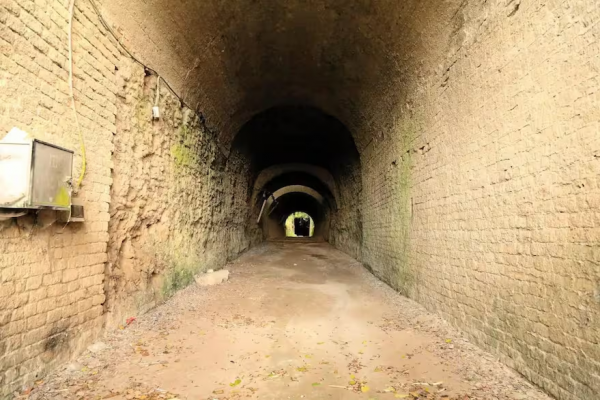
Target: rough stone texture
x: 178, y: 206
x: 174, y: 190
x: 51, y: 284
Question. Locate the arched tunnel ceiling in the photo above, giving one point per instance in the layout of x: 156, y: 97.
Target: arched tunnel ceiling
x: 298, y: 189
x: 278, y: 176
x: 233, y: 59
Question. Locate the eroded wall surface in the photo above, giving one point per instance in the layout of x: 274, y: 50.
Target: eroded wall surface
x: 179, y: 206
x: 176, y: 205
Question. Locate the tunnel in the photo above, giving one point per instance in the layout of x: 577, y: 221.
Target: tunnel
x: 297, y: 157
x: 448, y: 148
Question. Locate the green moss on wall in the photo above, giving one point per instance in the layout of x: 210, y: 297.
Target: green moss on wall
x: 404, y: 277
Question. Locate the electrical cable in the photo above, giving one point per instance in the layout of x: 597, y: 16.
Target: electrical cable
x: 72, y: 91
x: 131, y: 55
x: 157, y: 92
x: 106, y: 26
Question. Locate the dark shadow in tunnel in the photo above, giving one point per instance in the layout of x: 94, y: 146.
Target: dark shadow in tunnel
x: 303, y: 135
x: 296, y: 134
x: 302, y: 226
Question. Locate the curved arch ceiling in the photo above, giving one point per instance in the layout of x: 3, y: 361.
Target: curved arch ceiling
x: 299, y: 189
x: 233, y: 59
x: 275, y: 171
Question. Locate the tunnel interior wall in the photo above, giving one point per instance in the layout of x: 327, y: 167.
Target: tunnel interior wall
x: 481, y: 202
x: 178, y: 204
x: 161, y: 200
x: 52, y: 275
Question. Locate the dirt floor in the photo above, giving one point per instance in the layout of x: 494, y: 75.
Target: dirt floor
x: 296, y: 320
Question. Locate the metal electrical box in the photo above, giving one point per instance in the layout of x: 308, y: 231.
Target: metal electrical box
x: 35, y: 174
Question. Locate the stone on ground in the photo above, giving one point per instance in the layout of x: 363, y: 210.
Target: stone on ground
x: 212, y: 278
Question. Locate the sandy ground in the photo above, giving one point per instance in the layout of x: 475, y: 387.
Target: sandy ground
x: 296, y: 320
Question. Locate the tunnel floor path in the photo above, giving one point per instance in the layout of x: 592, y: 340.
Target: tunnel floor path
x: 295, y: 321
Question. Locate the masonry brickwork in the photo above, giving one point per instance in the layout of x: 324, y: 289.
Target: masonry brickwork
x: 151, y: 191
x: 483, y: 202
x: 52, y: 275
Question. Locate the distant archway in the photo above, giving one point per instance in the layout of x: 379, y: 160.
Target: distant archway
x: 299, y: 224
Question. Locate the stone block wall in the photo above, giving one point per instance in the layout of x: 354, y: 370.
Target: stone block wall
x: 52, y: 274
x: 482, y: 203
x: 151, y: 192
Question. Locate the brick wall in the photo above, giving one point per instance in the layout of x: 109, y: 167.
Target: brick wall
x: 482, y: 203
x: 51, y: 285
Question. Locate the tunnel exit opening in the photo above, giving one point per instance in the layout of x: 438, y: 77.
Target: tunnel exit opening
x: 299, y: 224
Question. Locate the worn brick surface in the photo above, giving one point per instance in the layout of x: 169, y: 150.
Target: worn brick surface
x: 482, y: 202
x: 52, y: 276
x: 166, y: 200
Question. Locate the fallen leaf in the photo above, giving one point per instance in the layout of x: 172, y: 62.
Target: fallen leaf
x: 352, y: 383
x: 320, y: 343
x: 448, y: 340
x: 316, y: 384
x: 237, y: 382
x: 267, y: 356
x: 364, y: 388
x: 400, y: 396
x: 302, y: 369
x: 307, y: 356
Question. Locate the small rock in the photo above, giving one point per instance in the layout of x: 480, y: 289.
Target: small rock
x: 74, y: 367
x: 97, y: 347
x: 210, y: 271
x: 213, y: 278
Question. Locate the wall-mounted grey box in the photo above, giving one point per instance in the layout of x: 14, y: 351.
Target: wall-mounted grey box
x: 35, y: 174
